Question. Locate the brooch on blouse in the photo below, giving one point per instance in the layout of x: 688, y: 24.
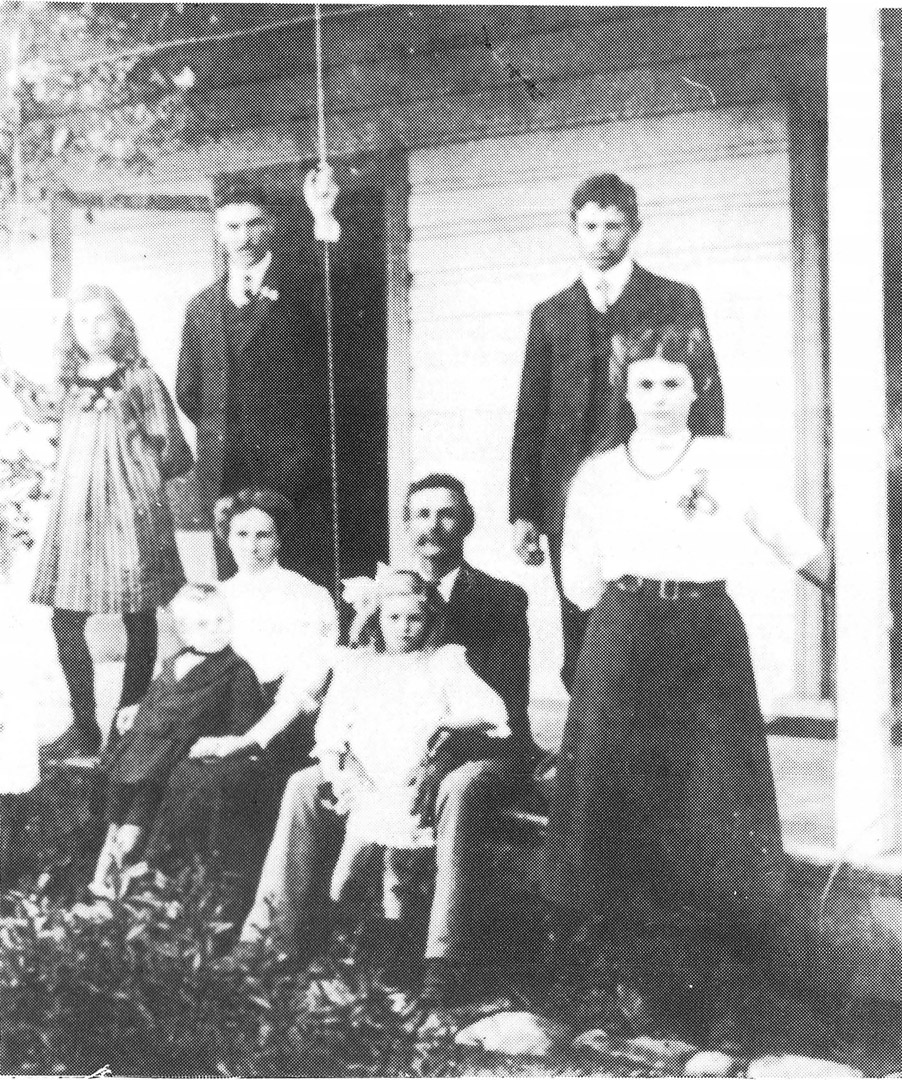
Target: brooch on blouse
x: 97, y: 394
x: 697, y: 499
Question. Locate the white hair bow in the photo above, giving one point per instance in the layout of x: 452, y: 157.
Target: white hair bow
x: 363, y: 593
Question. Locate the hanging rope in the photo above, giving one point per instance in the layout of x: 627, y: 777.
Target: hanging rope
x: 321, y: 191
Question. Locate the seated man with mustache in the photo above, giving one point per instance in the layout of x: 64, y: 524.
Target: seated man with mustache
x: 472, y: 776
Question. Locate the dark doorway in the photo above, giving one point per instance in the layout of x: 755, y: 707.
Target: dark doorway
x: 358, y: 279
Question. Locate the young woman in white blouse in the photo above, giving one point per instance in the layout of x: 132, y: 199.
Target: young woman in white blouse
x: 665, y: 801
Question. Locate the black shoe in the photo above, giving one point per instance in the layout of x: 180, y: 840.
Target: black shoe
x: 75, y: 742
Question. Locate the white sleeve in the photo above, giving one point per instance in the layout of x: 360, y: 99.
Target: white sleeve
x: 774, y: 518
x: 305, y: 678
x: 582, y: 576
x: 470, y: 700
x: 333, y: 725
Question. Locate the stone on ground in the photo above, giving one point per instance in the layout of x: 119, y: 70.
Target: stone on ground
x: 659, y: 1055
x: 711, y: 1063
x: 515, y: 1033
x: 791, y: 1065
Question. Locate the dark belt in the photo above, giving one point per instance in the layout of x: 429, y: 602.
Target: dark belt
x: 669, y: 590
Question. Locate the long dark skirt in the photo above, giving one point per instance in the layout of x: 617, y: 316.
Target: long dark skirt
x: 222, y: 811
x: 665, y: 799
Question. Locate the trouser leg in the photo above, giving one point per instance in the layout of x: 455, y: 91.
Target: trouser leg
x: 294, y: 883
x: 466, y: 799
x: 355, y: 856
x: 78, y: 668
x: 140, y: 655
x: 403, y: 870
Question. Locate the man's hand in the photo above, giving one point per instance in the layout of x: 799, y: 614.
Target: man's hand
x: 495, y: 729
x: 221, y: 746
x: 342, y: 794
x: 221, y: 510
x: 125, y: 718
x: 528, y: 543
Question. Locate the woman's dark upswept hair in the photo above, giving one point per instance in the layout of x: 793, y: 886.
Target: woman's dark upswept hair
x: 677, y: 343
x: 272, y: 503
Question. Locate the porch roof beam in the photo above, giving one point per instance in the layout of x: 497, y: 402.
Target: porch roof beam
x: 755, y: 76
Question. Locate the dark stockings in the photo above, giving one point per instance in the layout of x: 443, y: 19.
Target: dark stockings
x: 140, y: 655
x: 78, y: 665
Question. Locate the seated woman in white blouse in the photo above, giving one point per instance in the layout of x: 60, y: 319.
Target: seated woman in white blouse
x: 283, y: 625
x: 665, y: 801
x: 221, y: 804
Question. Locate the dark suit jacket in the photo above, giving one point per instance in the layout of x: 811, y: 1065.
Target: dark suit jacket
x: 219, y: 696
x: 287, y: 402
x: 556, y: 406
x: 489, y: 618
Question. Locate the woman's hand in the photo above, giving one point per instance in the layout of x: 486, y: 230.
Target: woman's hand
x: 125, y: 718
x: 220, y: 746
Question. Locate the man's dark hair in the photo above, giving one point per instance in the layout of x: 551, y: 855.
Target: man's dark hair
x: 228, y: 190
x: 450, y: 483
x: 607, y: 190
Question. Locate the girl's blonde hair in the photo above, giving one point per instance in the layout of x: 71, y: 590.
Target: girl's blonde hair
x: 405, y: 583
x: 126, y: 351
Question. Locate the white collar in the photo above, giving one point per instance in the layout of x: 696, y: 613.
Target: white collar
x: 271, y: 573
x: 253, y: 275
x: 446, y: 584
x: 614, y: 278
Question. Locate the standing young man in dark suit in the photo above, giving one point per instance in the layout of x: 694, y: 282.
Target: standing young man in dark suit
x: 253, y: 378
x: 565, y: 411
x: 489, y: 618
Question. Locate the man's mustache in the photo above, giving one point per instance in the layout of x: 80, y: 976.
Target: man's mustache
x: 430, y: 538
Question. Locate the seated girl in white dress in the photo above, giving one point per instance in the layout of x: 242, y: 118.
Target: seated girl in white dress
x: 388, y: 700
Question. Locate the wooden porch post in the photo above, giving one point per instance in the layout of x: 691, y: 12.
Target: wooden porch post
x: 865, y: 808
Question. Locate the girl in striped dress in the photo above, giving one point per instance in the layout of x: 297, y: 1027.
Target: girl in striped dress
x: 110, y: 541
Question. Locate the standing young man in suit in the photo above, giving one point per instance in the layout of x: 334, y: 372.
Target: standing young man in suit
x: 253, y: 378
x: 489, y: 618
x: 565, y: 412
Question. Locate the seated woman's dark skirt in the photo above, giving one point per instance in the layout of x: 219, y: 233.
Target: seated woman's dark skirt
x: 664, y: 804
x: 222, y: 811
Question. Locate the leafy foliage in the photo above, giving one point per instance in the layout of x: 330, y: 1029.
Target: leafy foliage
x: 143, y: 983
x: 83, y: 86
x: 27, y: 455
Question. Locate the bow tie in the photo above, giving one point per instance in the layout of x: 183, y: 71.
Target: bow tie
x: 189, y: 650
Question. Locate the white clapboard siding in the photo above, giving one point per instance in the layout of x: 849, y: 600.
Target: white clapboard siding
x: 489, y: 238
x: 155, y: 260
